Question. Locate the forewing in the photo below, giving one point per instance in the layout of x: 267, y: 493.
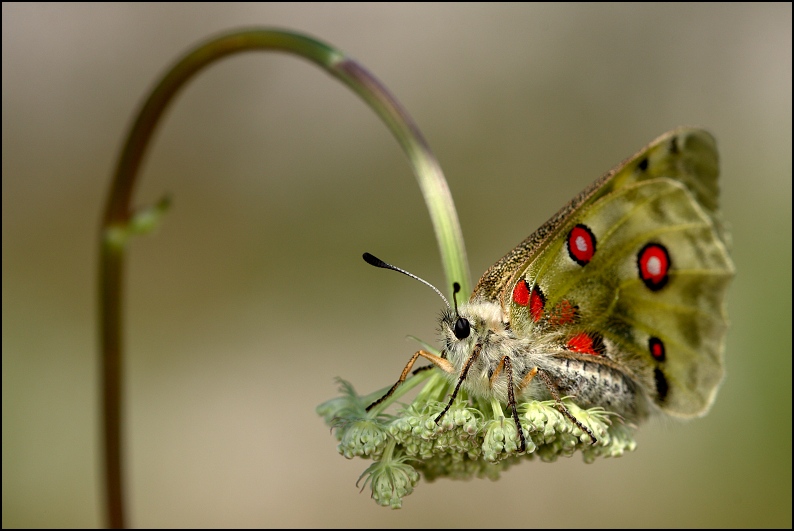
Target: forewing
x: 685, y: 154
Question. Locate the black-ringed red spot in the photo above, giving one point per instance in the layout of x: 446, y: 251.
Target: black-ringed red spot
x: 521, y: 293
x: 587, y: 343
x: 656, y: 347
x: 581, y: 244
x: 537, y: 303
x: 653, y: 262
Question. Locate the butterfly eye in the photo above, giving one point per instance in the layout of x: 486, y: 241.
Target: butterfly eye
x: 462, y: 328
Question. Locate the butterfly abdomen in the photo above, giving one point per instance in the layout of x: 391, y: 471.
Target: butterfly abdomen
x: 587, y: 378
x: 591, y: 382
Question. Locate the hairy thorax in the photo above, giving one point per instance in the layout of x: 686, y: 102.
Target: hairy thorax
x: 590, y: 380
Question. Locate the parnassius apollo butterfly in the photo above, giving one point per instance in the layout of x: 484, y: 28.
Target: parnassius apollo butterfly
x: 617, y: 301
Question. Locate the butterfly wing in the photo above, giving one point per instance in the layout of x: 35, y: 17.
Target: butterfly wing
x: 634, y: 269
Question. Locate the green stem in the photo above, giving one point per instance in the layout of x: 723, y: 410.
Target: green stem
x: 496, y: 408
x: 118, y: 211
x: 436, y: 389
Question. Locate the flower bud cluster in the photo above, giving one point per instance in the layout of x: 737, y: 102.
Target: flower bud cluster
x: 390, y: 480
x: 472, y: 439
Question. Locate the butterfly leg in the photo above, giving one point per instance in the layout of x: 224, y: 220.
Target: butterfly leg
x: 441, y: 363
x: 422, y: 369
x: 564, y: 410
x: 497, y: 371
x: 511, y: 401
x: 527, y: 379
x: 505, y: 363
x: 469, y: 362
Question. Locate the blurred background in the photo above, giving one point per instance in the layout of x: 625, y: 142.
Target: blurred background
x: 252, y: 296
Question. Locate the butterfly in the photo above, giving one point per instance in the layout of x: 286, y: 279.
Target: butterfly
x: 618, y: 301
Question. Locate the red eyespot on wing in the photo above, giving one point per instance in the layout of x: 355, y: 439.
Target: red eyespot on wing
x: 656, y: 347
x: 521, y: 293
x: 537, y: 302
x: 587, y: 344
x: 653, y: 263
x: 581, y: 244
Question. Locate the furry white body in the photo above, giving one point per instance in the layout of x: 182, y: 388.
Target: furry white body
x: 590, y: 380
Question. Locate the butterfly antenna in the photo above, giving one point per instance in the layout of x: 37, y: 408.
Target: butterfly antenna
x: 455, y: 290
x: 377, y: 262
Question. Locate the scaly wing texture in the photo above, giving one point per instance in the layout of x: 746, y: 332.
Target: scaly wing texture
x: 634, y: 269
x: 685, y: 154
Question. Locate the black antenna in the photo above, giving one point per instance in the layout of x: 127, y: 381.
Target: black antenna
x: 455, y: 290
x: 377, y: 262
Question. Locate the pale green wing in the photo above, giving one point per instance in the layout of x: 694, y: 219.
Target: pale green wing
x: 686, y: 154
x: 636, y: 271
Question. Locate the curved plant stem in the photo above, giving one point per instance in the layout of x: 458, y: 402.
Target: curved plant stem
x: 120, y: 221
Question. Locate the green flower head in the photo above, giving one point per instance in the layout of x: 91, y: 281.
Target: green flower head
x: 474, y: 438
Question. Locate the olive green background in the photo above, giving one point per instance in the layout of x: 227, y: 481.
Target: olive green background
x: 253, y: 296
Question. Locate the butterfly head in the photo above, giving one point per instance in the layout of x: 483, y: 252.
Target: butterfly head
x: 469, y: 325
